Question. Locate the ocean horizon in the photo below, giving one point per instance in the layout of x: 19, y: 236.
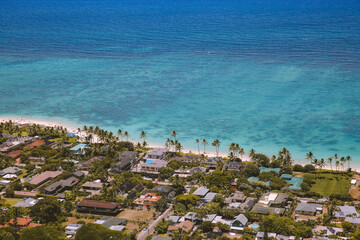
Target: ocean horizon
x: 266, y: 75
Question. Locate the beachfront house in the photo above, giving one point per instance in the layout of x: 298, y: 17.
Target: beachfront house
x: 156, y: 154
x: 79, y: 149
x: 126, y: 160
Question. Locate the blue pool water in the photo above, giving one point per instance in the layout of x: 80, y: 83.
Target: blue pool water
x: 149, y: 161
x: 264, y: 74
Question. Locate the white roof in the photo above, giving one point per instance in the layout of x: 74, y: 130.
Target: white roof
x: 270, y: 197
x: 117, y: 227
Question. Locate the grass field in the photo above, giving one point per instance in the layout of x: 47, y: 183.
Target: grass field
x: 136, y: 215
x: 331, y: 183
x: 13, y: 201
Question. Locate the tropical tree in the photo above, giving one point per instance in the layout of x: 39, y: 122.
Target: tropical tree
x: 120, y: 134
x: 174, y: 134
x: 167, y: 144
x: 198, y: 143
x: 232, y: 148
x: 310, y: 156
x: 204, y: 143
x: 252, y: 153
x: 348, y: 159
x: 240, y: 150
x: 330, y: 162
x: 126, y: 135
x: 178, y: 147
x: 342, y: 162
x: 143, y: 135
x: 216, y: 143
x: 337, y: 163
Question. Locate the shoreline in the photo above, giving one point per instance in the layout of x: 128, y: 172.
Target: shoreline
x: 72, y: 128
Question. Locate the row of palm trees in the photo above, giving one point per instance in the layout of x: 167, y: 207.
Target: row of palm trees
x: 339, y: 162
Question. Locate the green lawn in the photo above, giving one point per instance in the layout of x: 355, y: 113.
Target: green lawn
x: 331, y: 183
x: 13, y: 201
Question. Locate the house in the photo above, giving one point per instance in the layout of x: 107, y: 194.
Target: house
x: 265, y: 169
x: 156, y: 154
x: 174, y: 219
x: 219, y: 219
x: 283, y: 237
x: 61, y: 186
x: 149, y: 167
x: 92, y: 187
x: 71, y: 229
x: 209, y: 217
x: 26, y: 203
x: 14, y: 154
x: 19, y: 223
x: 98, y: 207
x: 86, y: 165
x: 189, y: 216
x: 211, y: 163
x: 209, y: 196
x: 162, y: 189
x: 78, y: 174
x: 37, y: 143
x: 266, y: 210
x: 195, y: 170
x: 274, y: 199
x: 236, y: 166
x: 44, y: 177
x: 186, y: 159
x: 112, y: 223
x: 25, y: 194
x: 9, y: 176
x: 236, y: 197
x: 353, y: 182
x: 326, y: 231
x: 186, y: 226
x: 201, y: 192
x: 353, y: 220
x: 310, y: 209
x: 10, y: 170
x: 239, y: 223
x: 160, y: 238
x: 148, y: 200
x: 37, y: 160
x: 79, y: 149
x: 126, y: 160
x: 262, y: 236
x: 345, y: 211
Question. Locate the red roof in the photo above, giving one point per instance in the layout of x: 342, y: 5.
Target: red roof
x: 14, y: 154
x: 98, y: 204
x: 36, y: 143
x: 21, y: 221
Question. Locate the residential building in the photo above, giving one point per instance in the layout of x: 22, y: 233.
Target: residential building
x: 239, y: 223
x: 345, y: 211
x: 44, y: 177
x: 150, y: 167
x: 201, y: 192
x: 211, y: 163
x: 326, y: 231
x: 112, y: 223
x: 98, y: 207
x: 126, y: 160
x: 148, y: 200
x: 236, y: 166
x: 26, y: 203
x: 71, y: 229
x: 353, y: 220
x: 186, y: 159
x: 25, y: 194
x: 209, y: 196
x: 92, y: 187
x: 156, y: 154
x: 79, y: 149
x: 236, y: 197
x: 86, y: 165
x: 186, y: 226
x: 310, y: 209
x: 10, y: 170
x: 61, y: 186
x: 195, y: 170
x: 262, y: 236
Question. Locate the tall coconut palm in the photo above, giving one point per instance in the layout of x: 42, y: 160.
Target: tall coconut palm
x: 240, y: 150
x: 310, y: 156
x: 143, y: 135
x: 232, y: 148
x: 120, y: 134
x: 198, y: 143
x: 167, y: 144
x: 178, y: 147
x: 348, y: 159
x: 126, y: 135
x: 330, y: 162
x: 204, y: 143
x: 216, y: 143
x: 342, y: 162
x: 174, y: 134
x: 252, y: 153
x: 337, y: 163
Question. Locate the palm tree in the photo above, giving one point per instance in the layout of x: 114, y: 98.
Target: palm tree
x: 178, y: 147
x: 348, y: 159
x: 198, y: 143
x: 126, y: 134
x: 143, y: 135
x: 330, y: 162
x: 232, y: 148
x: 167, y: 144
x: 216, y: 143
x: 252, y: 153
x: 120, y: 134
x: 173, y: 134
x: 337, y: 163
x: 310, y: 156
x: 204, y: 143
x: 240, y: 150
x: 335, y: 157
x: 342, y: 161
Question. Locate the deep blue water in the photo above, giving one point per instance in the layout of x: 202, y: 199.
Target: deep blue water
x: 265, y: 74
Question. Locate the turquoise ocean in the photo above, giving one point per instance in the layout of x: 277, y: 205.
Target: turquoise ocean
x: 264, y: 74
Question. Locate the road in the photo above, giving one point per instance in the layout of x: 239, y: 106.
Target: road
x: 143, y: 234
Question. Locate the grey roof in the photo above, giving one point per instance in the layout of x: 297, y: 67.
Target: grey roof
x: 201, y: 191
x: 209, y: 196
x: 175, y: 219
x: 241, y: 218
x: 11, y: 170
x: 353, y: 220
x: 198, y: 169
x: 345, y: 211
x: 191, y: 215
x: 261, y: 234
x: 160, y: 238
x: 27, y: 202
x: 155, y: 163
x: 112, y: 221
x: 308, y: 207
x: 235, y: 165
x: 72, y: 228
x: 209, y: 217
x: 162, y: 189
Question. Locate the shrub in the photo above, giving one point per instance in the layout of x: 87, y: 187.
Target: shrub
x: 298, y: 168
